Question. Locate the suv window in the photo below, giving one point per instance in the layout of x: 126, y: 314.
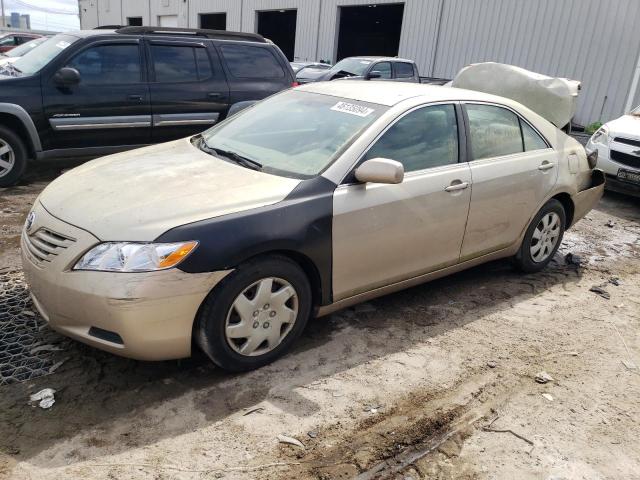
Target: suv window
x: 384, y: 68
x: 108, y: 64
x: 178, y: 63
x: 495, y: 131
x: 424, y: 138
x: 532, y: 141
x: 246, y: 61
x: 403, y: 70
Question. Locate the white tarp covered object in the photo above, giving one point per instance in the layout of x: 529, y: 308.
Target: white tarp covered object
x: 552, y: 98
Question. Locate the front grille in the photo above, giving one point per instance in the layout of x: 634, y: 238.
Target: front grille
x: 625, y: 159
x: 45, y: 244
x: 628, y: 141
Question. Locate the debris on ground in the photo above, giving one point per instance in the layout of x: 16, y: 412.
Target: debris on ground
x: 492, y: 364
x: 610, y: 224
x: 372, y: 408
x: 548, y: 396
x: 489, y: 428
x: 573, y: 259
x: 600, y: 291
x: 543, y: 377
x: 290, y: 441
x: 629, y: 364
x: 312, y: 434
x: 45, y: 397
x: 253, y: 410
x: 614, y: 281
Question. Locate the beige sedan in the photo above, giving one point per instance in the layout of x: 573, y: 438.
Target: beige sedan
x: 315, y: 199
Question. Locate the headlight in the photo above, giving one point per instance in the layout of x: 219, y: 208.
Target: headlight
x: 601, y: 136
x: 134, y: 257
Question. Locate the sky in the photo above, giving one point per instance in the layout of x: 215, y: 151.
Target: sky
x: 54, y: 15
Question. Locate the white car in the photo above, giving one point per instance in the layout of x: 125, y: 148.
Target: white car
x: 618, y: 146
x: 14, y: 54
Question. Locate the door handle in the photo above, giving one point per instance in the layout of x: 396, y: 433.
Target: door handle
x: 214, y: 95
x: 456, y: 186
x: 546, y: 166
x: 135, y: 98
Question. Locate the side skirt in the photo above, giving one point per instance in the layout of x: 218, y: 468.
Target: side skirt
x: 411, y: 282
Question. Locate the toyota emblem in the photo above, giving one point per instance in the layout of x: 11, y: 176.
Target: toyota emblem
x: 29, y: 223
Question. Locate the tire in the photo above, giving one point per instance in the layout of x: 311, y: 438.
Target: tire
x: 13, y: 162
x: 542, y: 240
x: 234, y: 341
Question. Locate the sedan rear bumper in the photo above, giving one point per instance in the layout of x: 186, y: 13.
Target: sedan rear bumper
x: 585, y: 200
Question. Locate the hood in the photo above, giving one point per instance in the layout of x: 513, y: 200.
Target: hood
x: 140, y: 194
x: 627, y: 125
x: 311, y: 74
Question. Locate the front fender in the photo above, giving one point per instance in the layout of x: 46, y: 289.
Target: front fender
x: 22, y: 115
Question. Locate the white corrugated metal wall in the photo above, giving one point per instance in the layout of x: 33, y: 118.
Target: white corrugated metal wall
x: 595, y: 42
x: 233, y: 9
x: 589, y: 40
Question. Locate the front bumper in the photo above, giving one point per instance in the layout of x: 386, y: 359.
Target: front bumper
x: 611, y: 167
x: 585, y: 200
x: 146, y: 316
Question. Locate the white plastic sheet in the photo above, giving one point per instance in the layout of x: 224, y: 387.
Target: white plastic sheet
x: 552, y: 98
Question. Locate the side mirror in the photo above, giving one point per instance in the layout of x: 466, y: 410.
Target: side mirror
x: 66, y: 77
x: 373, y: 74
x: 380, y: 170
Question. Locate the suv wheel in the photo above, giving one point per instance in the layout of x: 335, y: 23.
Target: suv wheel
x: 543, y: 237
x: 13, y: 157
x: 255, y: 314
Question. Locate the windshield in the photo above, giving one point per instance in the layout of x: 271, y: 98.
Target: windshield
x: 354, y: 66
x: 296, y: 134
x: 25, y: 47
x: 37, y: 58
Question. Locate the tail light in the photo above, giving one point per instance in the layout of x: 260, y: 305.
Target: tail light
x: 294, y: 84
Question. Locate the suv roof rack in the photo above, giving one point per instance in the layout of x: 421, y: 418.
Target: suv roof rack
x: 200, y: 32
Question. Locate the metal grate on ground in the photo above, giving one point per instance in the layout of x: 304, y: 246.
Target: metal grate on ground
x: 27, y: 346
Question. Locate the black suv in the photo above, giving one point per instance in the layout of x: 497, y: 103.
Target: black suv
x: 91, y: 93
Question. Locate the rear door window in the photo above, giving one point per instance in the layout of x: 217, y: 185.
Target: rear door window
x: 495, y: 131
x: 403, y: 70
x: 245, y: 61
x: 180, y: 63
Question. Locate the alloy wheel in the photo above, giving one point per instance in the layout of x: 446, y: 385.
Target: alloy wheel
x: 545, y: 237
x: 7, y: 158
x: 261, y: 316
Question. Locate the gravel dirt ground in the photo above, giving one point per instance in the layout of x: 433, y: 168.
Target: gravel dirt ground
x: 437, y: 381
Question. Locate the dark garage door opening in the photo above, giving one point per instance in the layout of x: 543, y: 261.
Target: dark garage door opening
x: 279, y: 26
x: 213, y: 21
x: 370, y: 30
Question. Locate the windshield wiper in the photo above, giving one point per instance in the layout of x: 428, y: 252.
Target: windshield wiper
x: 236, y: 157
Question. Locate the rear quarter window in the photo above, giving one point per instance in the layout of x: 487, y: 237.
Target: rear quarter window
x: 246, y: 61
x: 404, y: 70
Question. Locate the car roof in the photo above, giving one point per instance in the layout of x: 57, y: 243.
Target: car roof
x: 87, y: 33
x: 392, y: 93
x: 373, y: 58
